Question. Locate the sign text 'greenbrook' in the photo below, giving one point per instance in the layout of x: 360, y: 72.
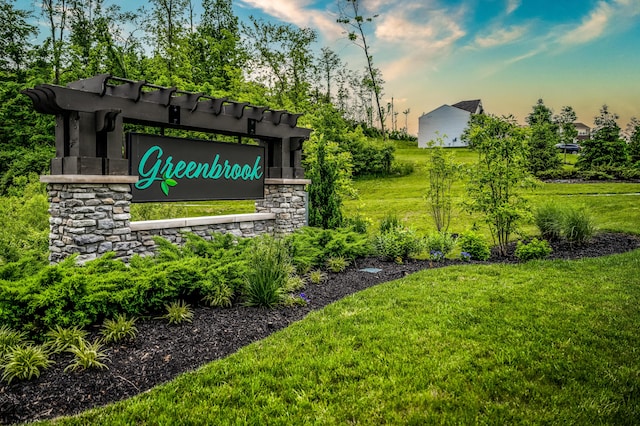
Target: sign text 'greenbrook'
x: 153, y: 167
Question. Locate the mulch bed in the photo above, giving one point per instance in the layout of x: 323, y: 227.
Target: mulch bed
x: 160, y: 351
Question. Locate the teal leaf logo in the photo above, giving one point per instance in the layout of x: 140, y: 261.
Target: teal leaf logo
x: 166, y: 183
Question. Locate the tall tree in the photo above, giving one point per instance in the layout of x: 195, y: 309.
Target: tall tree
x: 542, y: 154
x: 56, y: 12
x: 167, y: 25
x: 350, y: 17
x: 329, y: 64
x: 633, y: 129
x: 606, y: 147
x: 15, y: 34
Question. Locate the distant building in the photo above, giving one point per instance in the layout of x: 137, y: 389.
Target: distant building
x: 584, y: 131
x: 449, y: 121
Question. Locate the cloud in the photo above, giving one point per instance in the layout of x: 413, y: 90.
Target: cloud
x: 512, y: 5
x: 501, y: 36
x: 300, y: 13
x: 600, y: 21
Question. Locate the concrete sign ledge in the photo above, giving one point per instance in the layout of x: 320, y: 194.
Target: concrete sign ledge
x: 88, y: 179
x: 278, y: 181
x: 199, y: 221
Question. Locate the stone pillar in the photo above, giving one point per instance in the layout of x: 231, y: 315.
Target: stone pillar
x: 89, y: 215
x: 287, y: 199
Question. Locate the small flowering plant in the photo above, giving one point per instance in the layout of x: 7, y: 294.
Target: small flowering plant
x: 304, y: 297
x: 437, y: 255
x: 465, y: 256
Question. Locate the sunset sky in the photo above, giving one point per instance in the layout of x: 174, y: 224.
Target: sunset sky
x: 508, y: 53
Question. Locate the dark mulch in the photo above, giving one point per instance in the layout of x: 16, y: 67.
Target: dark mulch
x: 160, y: 351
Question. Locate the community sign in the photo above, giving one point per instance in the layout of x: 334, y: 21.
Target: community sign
x: 177, y: 169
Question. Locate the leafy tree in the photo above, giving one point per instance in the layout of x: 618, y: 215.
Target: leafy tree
x: 443, y: 172
x: 351, y: 18
x: 15, y: 32
x: 500, y: 174
x: 566, y: 126
x: 606, y: 147
x: 634, y: 141
x: 56, y: 12
x: 542, y: 154
x: 329, y: 64
x: 330, y: 172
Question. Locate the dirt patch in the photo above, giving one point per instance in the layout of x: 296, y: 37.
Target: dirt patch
x: 160, y: 351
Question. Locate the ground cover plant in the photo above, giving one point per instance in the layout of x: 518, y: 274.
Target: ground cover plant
x: 545, y: 341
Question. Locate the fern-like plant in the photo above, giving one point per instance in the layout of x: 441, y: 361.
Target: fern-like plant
x: 59, y: 339
x: 87, y: 355
x: 9, y: 339
x: 119, y: 328
x: 337, y: 264
x: 178, y: 312
x: 25, y: 362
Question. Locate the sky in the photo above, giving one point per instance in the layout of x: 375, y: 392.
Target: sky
x: 508, y: 53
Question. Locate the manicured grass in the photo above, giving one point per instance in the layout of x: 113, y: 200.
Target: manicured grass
x: 615, y: 206
x: 548, y: 342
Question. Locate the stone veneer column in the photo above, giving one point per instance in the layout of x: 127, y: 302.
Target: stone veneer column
x: 89, y: 215
x: 287, y: 199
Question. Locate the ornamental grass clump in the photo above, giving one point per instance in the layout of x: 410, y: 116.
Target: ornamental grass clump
x: 549, y: 220
x: 578, y: 226
x: 9, y: 339
x: 25, y: 362
x: 119, y: 328
x: 178, y: 312
x: 269, y: 269
x: 60, y: 339
x: 87, y: 355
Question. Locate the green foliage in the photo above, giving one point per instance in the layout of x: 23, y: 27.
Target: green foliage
x: 472, y: 243
x: 634, y: 146
x: 311, y: 247
x: 443, y: 171
x: 10, y: 339
x: 398, y: 244
x: 439, y: 245
x: 266, y: 280
x: 606, y: 147
x: 390, y: 222
x: 87, y: 355
x: 218, y: 294
x: 337, y: 264
x: 549, y: 219
x: 541, y: 154
x: 60, y: 339
x: 535, y: 249
x: 329, y: 171
x: 118, y: 329
x: 25, y: 363
x: 178, y: 312
x: 317, y: 276
x: 578, y: 226
x: 499, y: 176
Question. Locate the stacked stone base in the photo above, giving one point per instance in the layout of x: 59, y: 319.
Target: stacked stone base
x: 90, y: 216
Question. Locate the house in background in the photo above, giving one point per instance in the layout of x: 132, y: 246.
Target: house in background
x: 449, y: 120
x: 584, y: 131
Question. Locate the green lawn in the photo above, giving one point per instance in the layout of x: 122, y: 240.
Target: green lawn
x: 548, y: 342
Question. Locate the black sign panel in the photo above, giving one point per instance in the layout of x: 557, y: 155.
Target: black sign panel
x: 175, y: 169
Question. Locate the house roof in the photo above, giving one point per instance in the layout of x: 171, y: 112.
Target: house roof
x: 579, y: 124
x: 474, y: 106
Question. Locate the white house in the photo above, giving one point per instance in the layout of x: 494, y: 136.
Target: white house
x: 449, y: 120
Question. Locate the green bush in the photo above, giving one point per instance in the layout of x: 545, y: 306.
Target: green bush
x: 398, y: 244
x: 578, y: 226
x: 549, y: 219
x: 439, y: 245
x: 473, y: 244
x: 266, y: 280
x: 535, y: 249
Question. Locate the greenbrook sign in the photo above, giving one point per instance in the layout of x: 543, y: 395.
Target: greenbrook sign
x: 175, y: 169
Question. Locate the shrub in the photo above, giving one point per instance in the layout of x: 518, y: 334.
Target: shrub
x: 578, y: 226
x: 60, y: 339
x: 549, y: 220
x: 87, y: 355
x: 219, y: 294
x: 265, y: 281
x: 178, y: 312
x: 474, y: 245
x: 10, y: 339
x: 536, y: 249
x: 119, y: 328
x: 390, y: 222
x: 25, y: 362
x: 398, y: 244
x: 337, y: 264
x: 440, y: 242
